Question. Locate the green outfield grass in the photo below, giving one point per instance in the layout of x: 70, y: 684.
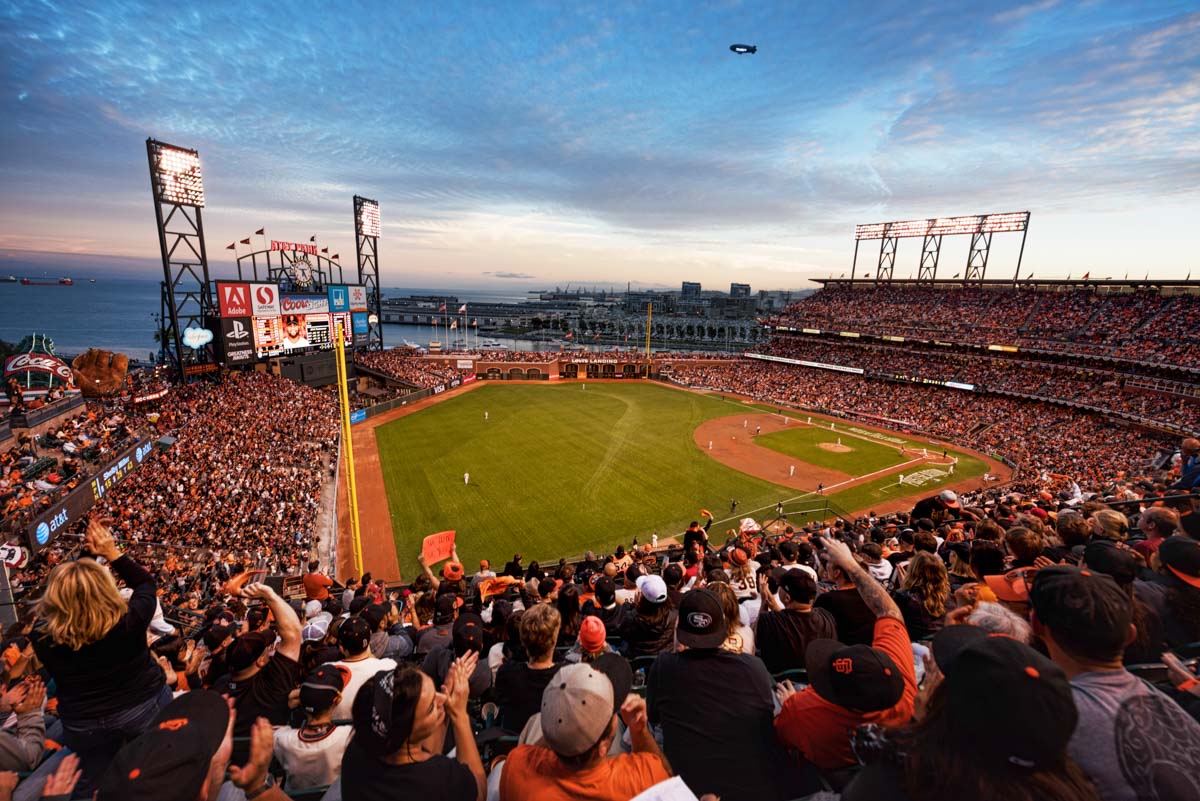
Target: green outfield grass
x: 557, y: 469
x: 804, y: 443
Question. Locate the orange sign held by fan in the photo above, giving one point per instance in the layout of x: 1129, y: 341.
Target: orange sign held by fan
x: 437, y: 547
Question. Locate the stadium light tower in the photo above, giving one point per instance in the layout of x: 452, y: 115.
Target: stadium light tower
x: 177, y: 185
x: 366, y: 244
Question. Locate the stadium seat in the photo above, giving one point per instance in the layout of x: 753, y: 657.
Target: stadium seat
x: 794, y: 675
x: 309, y: 794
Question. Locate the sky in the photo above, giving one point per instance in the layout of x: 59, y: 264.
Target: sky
x: 539, y: 144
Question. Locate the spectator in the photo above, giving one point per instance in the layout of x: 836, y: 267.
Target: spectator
x: 1109, y: 524
x: 786, y: 629
x: 1156, y: 523
x: 260, y: 681
x: 316, y: 584
x: 650, y: 629
x: 21, y: 750
x: 93, y: 646
x: 354, y: 642
x: 923, y: 598
x: 468, y: 638
x: 854, y: 621
x: 578, y: 724
x: 739, y: 638
x: 1106, y: 557
x: 604, y: 605
x: 1175, y: 592
x: 519, y: 685
x: 1131, y: 740
x: 484, y: 573
x: 996, y: 730
x: 592, y: 642
x: 850, y: 685
x: 715, y: 710
x: 311, y: 755
x: 399, y: 727
x: 440, y: 634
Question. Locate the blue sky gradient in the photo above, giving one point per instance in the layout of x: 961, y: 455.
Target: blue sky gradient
x: 610, y: 142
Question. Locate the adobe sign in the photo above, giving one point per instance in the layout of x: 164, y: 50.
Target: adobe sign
x: 233, y: 299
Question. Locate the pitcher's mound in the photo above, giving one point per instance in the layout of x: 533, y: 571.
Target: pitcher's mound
x: 833, y: 446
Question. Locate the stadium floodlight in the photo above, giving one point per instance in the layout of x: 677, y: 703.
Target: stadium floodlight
x: 175, y: 173
x: 366, y: 216
x: 1007, y: 222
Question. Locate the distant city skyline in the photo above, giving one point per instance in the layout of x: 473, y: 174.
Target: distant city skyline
x: 532, y: 146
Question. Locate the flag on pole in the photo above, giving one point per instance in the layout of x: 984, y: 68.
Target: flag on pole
x: 462, y: 309
x: 570, y: 335
x: 442, y: 308
x: 246, y: 241
x: 312, y: 238
x: 475, y: 322
x: 334, y: 256
x: 324, y: 250
x: 261, y: 231
x: 454, y: 325
x: 597, y: 336
x: 1085, y: 275
x: 232, y: 246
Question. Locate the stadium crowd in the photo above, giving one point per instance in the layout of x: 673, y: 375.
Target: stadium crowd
x: 402, y: 363
x: 1100, y: 388
x: 1003, y: 646
x: 1143, y: 325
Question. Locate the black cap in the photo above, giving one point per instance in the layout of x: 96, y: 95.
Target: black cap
x: 1181, y: 555
x: 443, y: 611
x: 354, y: 635
x: 322, y: 686
x: 619, y: 672
x: 951, y: 641
x: 170, y: 759
x: 606, y: 590
x: 1086, y: 612
x: 216, y: 635
x: 256, y: 616
x: 856, y: 677
x: 701, y: 622
x: 1022, y: 711
x: 1107, y: 557
x: 800, y: 586
x: 249, y: 647
x: 468, y: 633
x: 375, y: 614
x: 632, y: 573
x: 672, y: 574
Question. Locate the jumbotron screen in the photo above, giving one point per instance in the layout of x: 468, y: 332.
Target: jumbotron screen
x: 258, y: 321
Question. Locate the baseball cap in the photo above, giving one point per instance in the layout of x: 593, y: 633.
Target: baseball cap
x: 653, y: 588
x: 948, y: 498
x: 619, y: 672
x: 1086, y: 612
x: 468, y: 633
x: 247, y: 648
x: 170, y: 759
x: 322, y: 686
x: 312, y: 609
x: 606, y: 590
x: 953, y: 640
x: 1022, y: 709
x: 632, y: 573
x: 354, y: 636
x: 800, y: 586
x: 444, y: 611
x: 375, y: 614
x: 256, y: 616
x: 1105, y: 556
x: 315, y: 630
x: 738, y: 556
x: 592, y: 634
x: 452, y: 571
x: 577, y: 707
x: 1012, y: 586
x: 1181, y: 556
x: 701, y: 622
x: 673, y: 573
x: 856, y: 677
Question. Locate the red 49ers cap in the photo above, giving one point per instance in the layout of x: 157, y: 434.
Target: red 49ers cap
x: 856, y: 677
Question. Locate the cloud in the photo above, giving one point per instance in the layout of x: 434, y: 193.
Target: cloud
x: 506, y: 274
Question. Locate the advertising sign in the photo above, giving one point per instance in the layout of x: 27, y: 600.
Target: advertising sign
x: 343, y: 319
x: 264, y: 299
x: 72, y: 508
x: 233, y: 299
x: 38, y: 363
x: 339, y: 298
x: 304, y: 304
x: 359, y: 324
x: 357, y: 416
x: 358, y: 297
x: 237, y: 340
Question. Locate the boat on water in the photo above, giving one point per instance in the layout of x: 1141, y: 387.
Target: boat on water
x: 91, y: 280
x: 8, y: 279
x: 435, y: 347
x: 491, y: 343
x: 48, y: 282
x: 408, y: 343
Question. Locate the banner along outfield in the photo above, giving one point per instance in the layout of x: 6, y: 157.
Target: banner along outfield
x: 556, y: 469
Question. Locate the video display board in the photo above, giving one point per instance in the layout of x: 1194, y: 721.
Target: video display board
x: 259, y: 319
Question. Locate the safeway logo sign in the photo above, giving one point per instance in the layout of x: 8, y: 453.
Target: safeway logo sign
x: 237, y: 331
x: 234, y: 299
x: 265, y: 300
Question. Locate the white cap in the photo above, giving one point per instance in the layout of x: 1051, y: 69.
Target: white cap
x: 653, y: 588
x: 312, y: 609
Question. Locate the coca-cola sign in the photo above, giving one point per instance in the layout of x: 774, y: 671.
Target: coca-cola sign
x: 37, y: 363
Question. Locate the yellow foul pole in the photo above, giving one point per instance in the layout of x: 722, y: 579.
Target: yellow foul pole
x: 347, y: 442
x: 649, y: 321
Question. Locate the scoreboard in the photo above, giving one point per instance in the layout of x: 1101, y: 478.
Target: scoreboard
x: 258, y: 321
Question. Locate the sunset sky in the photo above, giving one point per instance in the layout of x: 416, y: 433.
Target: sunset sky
x: 545, y: 143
